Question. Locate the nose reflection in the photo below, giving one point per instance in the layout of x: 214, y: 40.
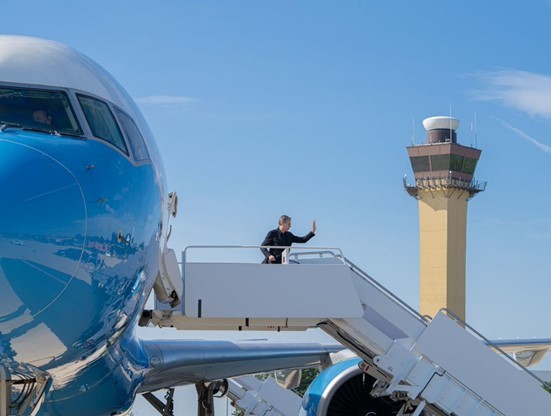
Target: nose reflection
x: 42, y: 232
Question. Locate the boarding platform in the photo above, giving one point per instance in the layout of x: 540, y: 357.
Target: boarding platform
x: 440, y: 363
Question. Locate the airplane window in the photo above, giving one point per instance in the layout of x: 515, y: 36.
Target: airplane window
x: 38, y: 110
x: 101, y: 121
x: 134, y: 136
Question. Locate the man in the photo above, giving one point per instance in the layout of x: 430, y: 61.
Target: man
x: 282, y: 237
x: 42, y: 117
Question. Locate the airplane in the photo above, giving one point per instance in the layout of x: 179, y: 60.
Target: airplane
x: 83, y: 238
x: 84, y: 234
x: 528, y: 352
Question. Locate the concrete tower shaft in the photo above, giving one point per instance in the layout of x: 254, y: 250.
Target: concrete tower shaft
x: 443, y: 242
x: 444, y: 183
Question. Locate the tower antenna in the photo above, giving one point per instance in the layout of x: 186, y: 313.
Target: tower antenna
x: 413, y: 131
x: 450, y: 123
x: 475, y: 132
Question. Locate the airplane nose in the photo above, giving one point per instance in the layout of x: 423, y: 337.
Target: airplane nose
x: 42, y: 232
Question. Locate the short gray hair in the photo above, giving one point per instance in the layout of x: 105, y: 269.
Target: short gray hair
x: 283, y: 219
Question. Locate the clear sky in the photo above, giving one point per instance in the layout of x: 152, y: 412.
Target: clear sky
x: 306, y: 108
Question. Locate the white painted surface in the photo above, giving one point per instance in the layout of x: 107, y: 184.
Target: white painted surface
x: 237, y: 290
x: 441, y: 122
x: 501, y: 384
x: 29, y: 60
x: 266, y: 397
x: 441, y: 362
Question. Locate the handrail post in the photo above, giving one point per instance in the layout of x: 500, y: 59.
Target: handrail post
x: 184, y: 265
x: 285, y: 256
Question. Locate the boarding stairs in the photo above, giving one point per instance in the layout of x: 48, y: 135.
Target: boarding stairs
x: 440, y: 364
x: 263, y: 397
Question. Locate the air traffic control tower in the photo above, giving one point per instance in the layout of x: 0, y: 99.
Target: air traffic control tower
x: 444, y: 183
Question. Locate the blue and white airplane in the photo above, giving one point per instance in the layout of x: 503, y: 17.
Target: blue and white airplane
x: 83, y: 225
x: 83, y: 230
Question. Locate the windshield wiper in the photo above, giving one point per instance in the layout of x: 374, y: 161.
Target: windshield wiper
x: 49, y: 131
x: 52, y: 132
x: 5, y: 124
x: 66, y: 133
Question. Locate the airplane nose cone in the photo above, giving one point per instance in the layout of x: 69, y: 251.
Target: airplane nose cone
x: 42, y: 231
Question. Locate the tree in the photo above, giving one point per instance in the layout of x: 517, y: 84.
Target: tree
x: 308, y: 376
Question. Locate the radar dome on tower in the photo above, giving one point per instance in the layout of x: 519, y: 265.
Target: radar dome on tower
x: 441, y: 129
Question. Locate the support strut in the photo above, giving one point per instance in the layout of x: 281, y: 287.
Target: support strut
x: 206, y: 393
x: 165, y: 409
x: 22, y: 388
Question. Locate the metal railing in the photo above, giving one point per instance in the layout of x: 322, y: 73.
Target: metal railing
x: 390, y: 294
x: 449, y: 181
x: 319, y: 252
x: 365, y: 276
x: 337, y: 252
x: 323, y: 253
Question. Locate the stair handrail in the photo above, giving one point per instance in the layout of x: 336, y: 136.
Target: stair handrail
x: 183, y: 261
x: 367, y: 277
x: 371, y: 280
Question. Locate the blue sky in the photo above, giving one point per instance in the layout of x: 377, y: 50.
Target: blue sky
x: 306, y: 108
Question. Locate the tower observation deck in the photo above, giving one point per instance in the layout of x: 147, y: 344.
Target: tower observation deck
x: 444, y: 183
x: 441, y: 163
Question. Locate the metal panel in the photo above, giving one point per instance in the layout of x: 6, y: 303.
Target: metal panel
x: 446, y: 343
x: 263, y: 397
x: 233, y: 290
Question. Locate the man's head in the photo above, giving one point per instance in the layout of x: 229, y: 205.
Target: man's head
x: 42, y: 116
x: 284, y: 223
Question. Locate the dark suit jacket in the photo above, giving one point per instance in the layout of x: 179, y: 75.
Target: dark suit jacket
x: 277, y: 238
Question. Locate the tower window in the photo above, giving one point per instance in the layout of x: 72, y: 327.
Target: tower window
x: 469, y: 166
x: 420, y: 163
x: 456, y: 163
x: 440, y: 162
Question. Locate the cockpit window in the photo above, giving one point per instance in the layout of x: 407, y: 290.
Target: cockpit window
x: 135, y: 138
x: 38, y: 110
x: 101, y: 121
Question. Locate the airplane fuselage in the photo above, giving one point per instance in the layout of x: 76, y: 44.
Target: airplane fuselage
x: 83, y: 233
x: 81, y: 227
x: 73, y: 252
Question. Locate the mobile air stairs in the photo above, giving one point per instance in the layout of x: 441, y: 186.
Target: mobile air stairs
x: 441, y: 363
